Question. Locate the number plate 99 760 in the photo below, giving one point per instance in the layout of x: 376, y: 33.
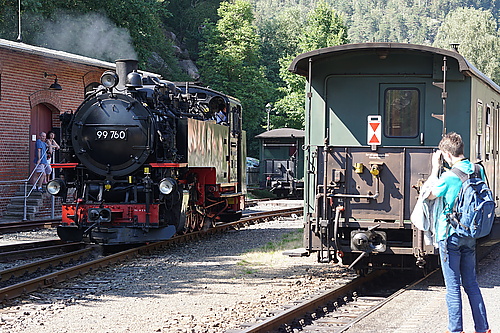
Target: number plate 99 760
x: 111, y: 135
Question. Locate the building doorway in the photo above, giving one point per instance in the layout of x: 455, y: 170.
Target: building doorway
x: 41, y: 121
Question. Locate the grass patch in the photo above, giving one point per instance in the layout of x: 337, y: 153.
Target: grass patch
x: 248, y: 271
x: 242, y: 263
x: 288, y: 241
x: 270, y: 254
x: 260, y: 194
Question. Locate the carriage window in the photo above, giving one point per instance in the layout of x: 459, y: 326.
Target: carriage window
x: 487, y: 133
x: 401, y: 112
x: 479, y: 129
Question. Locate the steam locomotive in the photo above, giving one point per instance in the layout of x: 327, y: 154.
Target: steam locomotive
x: 375, y: 112
x: 143, y: 159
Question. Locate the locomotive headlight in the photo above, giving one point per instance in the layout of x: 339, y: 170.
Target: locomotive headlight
x: 56, y: 187
x: 109, y: 79
x: 167, y: 185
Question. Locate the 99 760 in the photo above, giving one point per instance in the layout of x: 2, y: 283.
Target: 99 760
x: 111, y: 134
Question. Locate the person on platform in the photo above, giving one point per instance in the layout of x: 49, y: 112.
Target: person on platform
x: 52, y: 146
x: 458, y: 254
x: 42, y: 167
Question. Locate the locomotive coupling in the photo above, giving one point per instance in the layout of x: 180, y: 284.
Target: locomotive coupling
x: 368, y: 241
x: 99, y: 215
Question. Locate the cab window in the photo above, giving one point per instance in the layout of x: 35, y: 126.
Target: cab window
x: 401, y: 108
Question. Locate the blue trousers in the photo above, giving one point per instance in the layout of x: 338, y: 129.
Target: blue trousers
x: 458, y: 263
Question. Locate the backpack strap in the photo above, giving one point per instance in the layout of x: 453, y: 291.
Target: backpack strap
x: 460, y: 174
x: 452, y: 218
x: 477, y: 171
x: 463, y: 176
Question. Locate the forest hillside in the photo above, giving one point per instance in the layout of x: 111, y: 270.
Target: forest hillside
x: 243, y: 47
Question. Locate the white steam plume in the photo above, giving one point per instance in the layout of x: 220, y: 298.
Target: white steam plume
x: 92, y: 35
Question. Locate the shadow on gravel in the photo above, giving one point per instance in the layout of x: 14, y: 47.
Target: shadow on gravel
x: 228, y: 260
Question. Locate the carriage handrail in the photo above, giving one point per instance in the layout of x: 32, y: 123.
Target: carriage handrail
x: 27, y: 192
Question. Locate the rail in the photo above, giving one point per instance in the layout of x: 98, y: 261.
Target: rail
x: 29, y: 185
x: 27, y: 286
x: 338, y: 309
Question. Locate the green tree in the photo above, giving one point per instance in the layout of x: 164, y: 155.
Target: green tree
x: 230, y: 62
x: 464, y: 26
x: 142, y: 19
x: 280, y: 35
x: 187, y: 19
x: 288, y: 110
x: 391, y: 20
x: 324, y: 28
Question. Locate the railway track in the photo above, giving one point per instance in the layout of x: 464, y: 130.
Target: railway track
x: 255, y: 202
x: 30, y: 250
x: 12, y: 286
x: 16, y: 226
x: 334, y: 310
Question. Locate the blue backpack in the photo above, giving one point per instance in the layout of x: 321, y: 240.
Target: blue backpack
x: 474, y: 210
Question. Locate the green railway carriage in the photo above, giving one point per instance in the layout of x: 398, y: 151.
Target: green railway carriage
x: 282, y: 161
x: 374, y: 114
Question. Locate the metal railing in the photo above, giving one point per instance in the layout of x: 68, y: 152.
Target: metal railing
x: 28, y: 189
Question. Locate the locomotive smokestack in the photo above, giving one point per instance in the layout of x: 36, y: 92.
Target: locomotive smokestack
x: 123, y: 68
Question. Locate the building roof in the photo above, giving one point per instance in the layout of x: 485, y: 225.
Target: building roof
x: 62, y: 55
x: 281, y: 133
x: 48, y: 53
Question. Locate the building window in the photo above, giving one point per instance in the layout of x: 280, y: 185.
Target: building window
x: 90, y: 87
x: 401, y: 112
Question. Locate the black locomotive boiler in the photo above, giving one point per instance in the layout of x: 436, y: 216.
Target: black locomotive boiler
x: 375, y: 112
x: 144, y: 159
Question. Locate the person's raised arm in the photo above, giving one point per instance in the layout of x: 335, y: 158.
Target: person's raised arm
x: 436, y: 165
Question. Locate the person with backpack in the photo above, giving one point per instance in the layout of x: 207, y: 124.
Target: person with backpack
x: 457, y: 249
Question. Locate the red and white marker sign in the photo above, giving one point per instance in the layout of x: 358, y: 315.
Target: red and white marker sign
x: 374, y: 130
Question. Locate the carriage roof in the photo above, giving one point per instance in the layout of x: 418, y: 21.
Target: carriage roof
x: 300, y: 65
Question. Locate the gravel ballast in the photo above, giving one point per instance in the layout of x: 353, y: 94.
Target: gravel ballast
x: 211, y: 285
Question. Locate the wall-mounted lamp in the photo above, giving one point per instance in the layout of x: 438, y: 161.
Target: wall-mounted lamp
x: 55, y: 85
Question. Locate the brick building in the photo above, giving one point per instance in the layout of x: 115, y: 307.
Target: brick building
x: 28, y: 106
